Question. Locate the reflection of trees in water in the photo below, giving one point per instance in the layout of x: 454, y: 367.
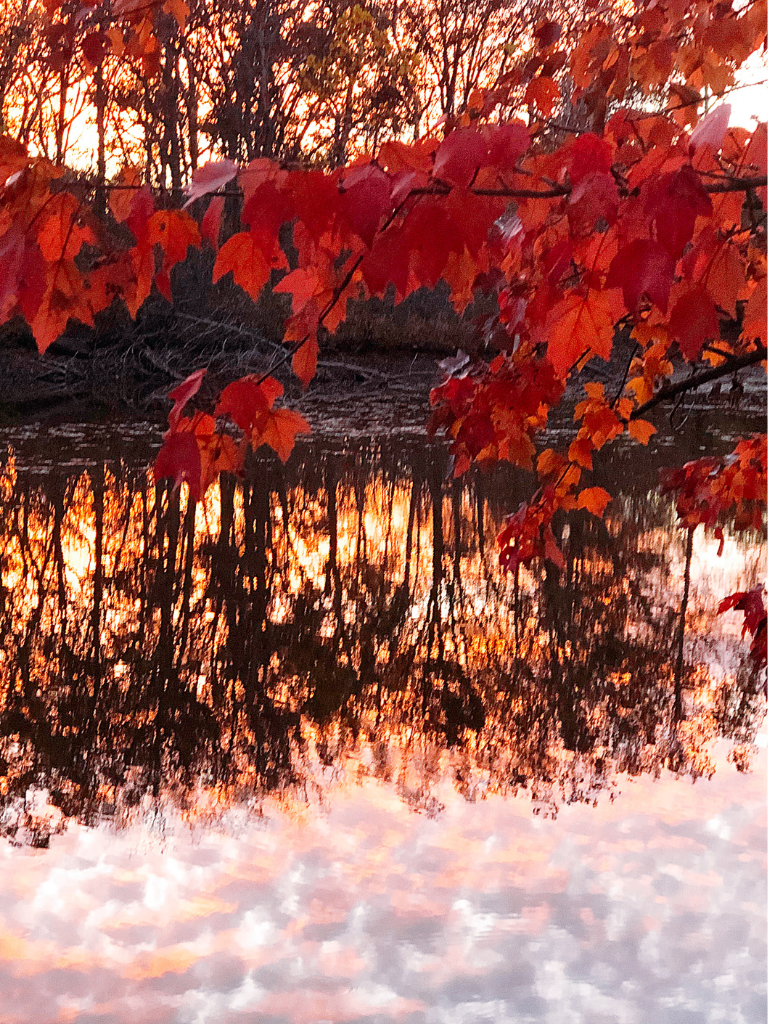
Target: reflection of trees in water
x: 345, y: 614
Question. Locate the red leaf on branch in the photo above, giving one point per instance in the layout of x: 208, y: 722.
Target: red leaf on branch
x: 174, y: 231
x: 304, y: 362
x: 179, y: 459
x: 579, y: 323
x: 365, y: 199
x: 242, y: 255
x: 301, y: 285
x: 210, y: 228
x: 642, y: 268
x: 589, y: 154
x: 673, y: 202
x: 142, y: 206
x: 182, y: 394
x: 459, y: 156
x: 62, y: 233
x: 751, y: 603
x: 506, y: 144
x: 595, y: 198
x: 693, y: 321
x: 245, y: 401
x: 388, y: 261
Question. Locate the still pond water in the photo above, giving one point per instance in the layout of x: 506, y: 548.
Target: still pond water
x: 307, y: 755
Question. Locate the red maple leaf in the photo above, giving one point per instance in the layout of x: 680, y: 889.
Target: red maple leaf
x: 693, y: 321
x: 459, y: 156
x: 642, y: 268
x: 179, y: 458
x: 182, y: 394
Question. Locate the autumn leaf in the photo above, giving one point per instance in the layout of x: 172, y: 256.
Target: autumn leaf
x: 301, y: 285
x: 588, y: 154
x: 542, y: 93
x: 179, y: 459
x: 61, y: 233
x: 210, y: 227
x: 174, y: 231
x: 210, y: 178
x: 693, y: 321
x: 365, y: 199
x: 245, y: 401
x: 580, y: 323
x: 506, y: 143
x: 304, y: 361
x: 594, y: 500
x: 642, y: 268
x: 279, y: 431
x: 641, y: 430
x: 121, y: 196
x: 64, y: 297
x: 754, y: 323
x: 459, y: 156
x: 593, y: 200
x: 182, y: 394
x: 242, y: 256
x: 673, y: 202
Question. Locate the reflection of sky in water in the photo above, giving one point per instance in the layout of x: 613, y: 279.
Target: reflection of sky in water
x: 646, y: 909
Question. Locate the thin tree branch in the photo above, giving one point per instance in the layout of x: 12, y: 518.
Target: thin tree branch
x: 691, y: 383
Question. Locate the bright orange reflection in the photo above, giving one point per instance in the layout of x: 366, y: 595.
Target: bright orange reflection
x: 340, y: 620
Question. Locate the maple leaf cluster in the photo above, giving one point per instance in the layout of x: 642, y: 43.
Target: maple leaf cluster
x: 198, y: 448
x: 711, y: 490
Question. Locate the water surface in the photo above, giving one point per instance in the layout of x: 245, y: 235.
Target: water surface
x: 306, y: 754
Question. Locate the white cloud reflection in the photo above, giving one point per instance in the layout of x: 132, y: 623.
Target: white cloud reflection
x: 646, y: 910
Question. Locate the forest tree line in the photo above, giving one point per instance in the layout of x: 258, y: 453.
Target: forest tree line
x: 314, y: 84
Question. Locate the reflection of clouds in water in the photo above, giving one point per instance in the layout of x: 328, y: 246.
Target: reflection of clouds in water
x: 648, y: 909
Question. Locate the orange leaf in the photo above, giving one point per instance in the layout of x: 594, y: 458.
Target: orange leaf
x: 65, y: 296
x: 641, y: 430
x: 594, y: 500
x: 242, y: 255
x: 301, y: 285
x: 174, y: 231
x: 580, y: 323
x: 304, y: 362
x: 61, y: 235
x: 279, y: 431
x: 754, y: 314
x: 543, y: 93
x: 120, y: 199
x: 580, y: 452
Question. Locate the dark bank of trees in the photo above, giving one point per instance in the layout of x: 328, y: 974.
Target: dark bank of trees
x: 346, y: 611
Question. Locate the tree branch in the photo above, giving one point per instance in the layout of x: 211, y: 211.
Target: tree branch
x: 691, y: 383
